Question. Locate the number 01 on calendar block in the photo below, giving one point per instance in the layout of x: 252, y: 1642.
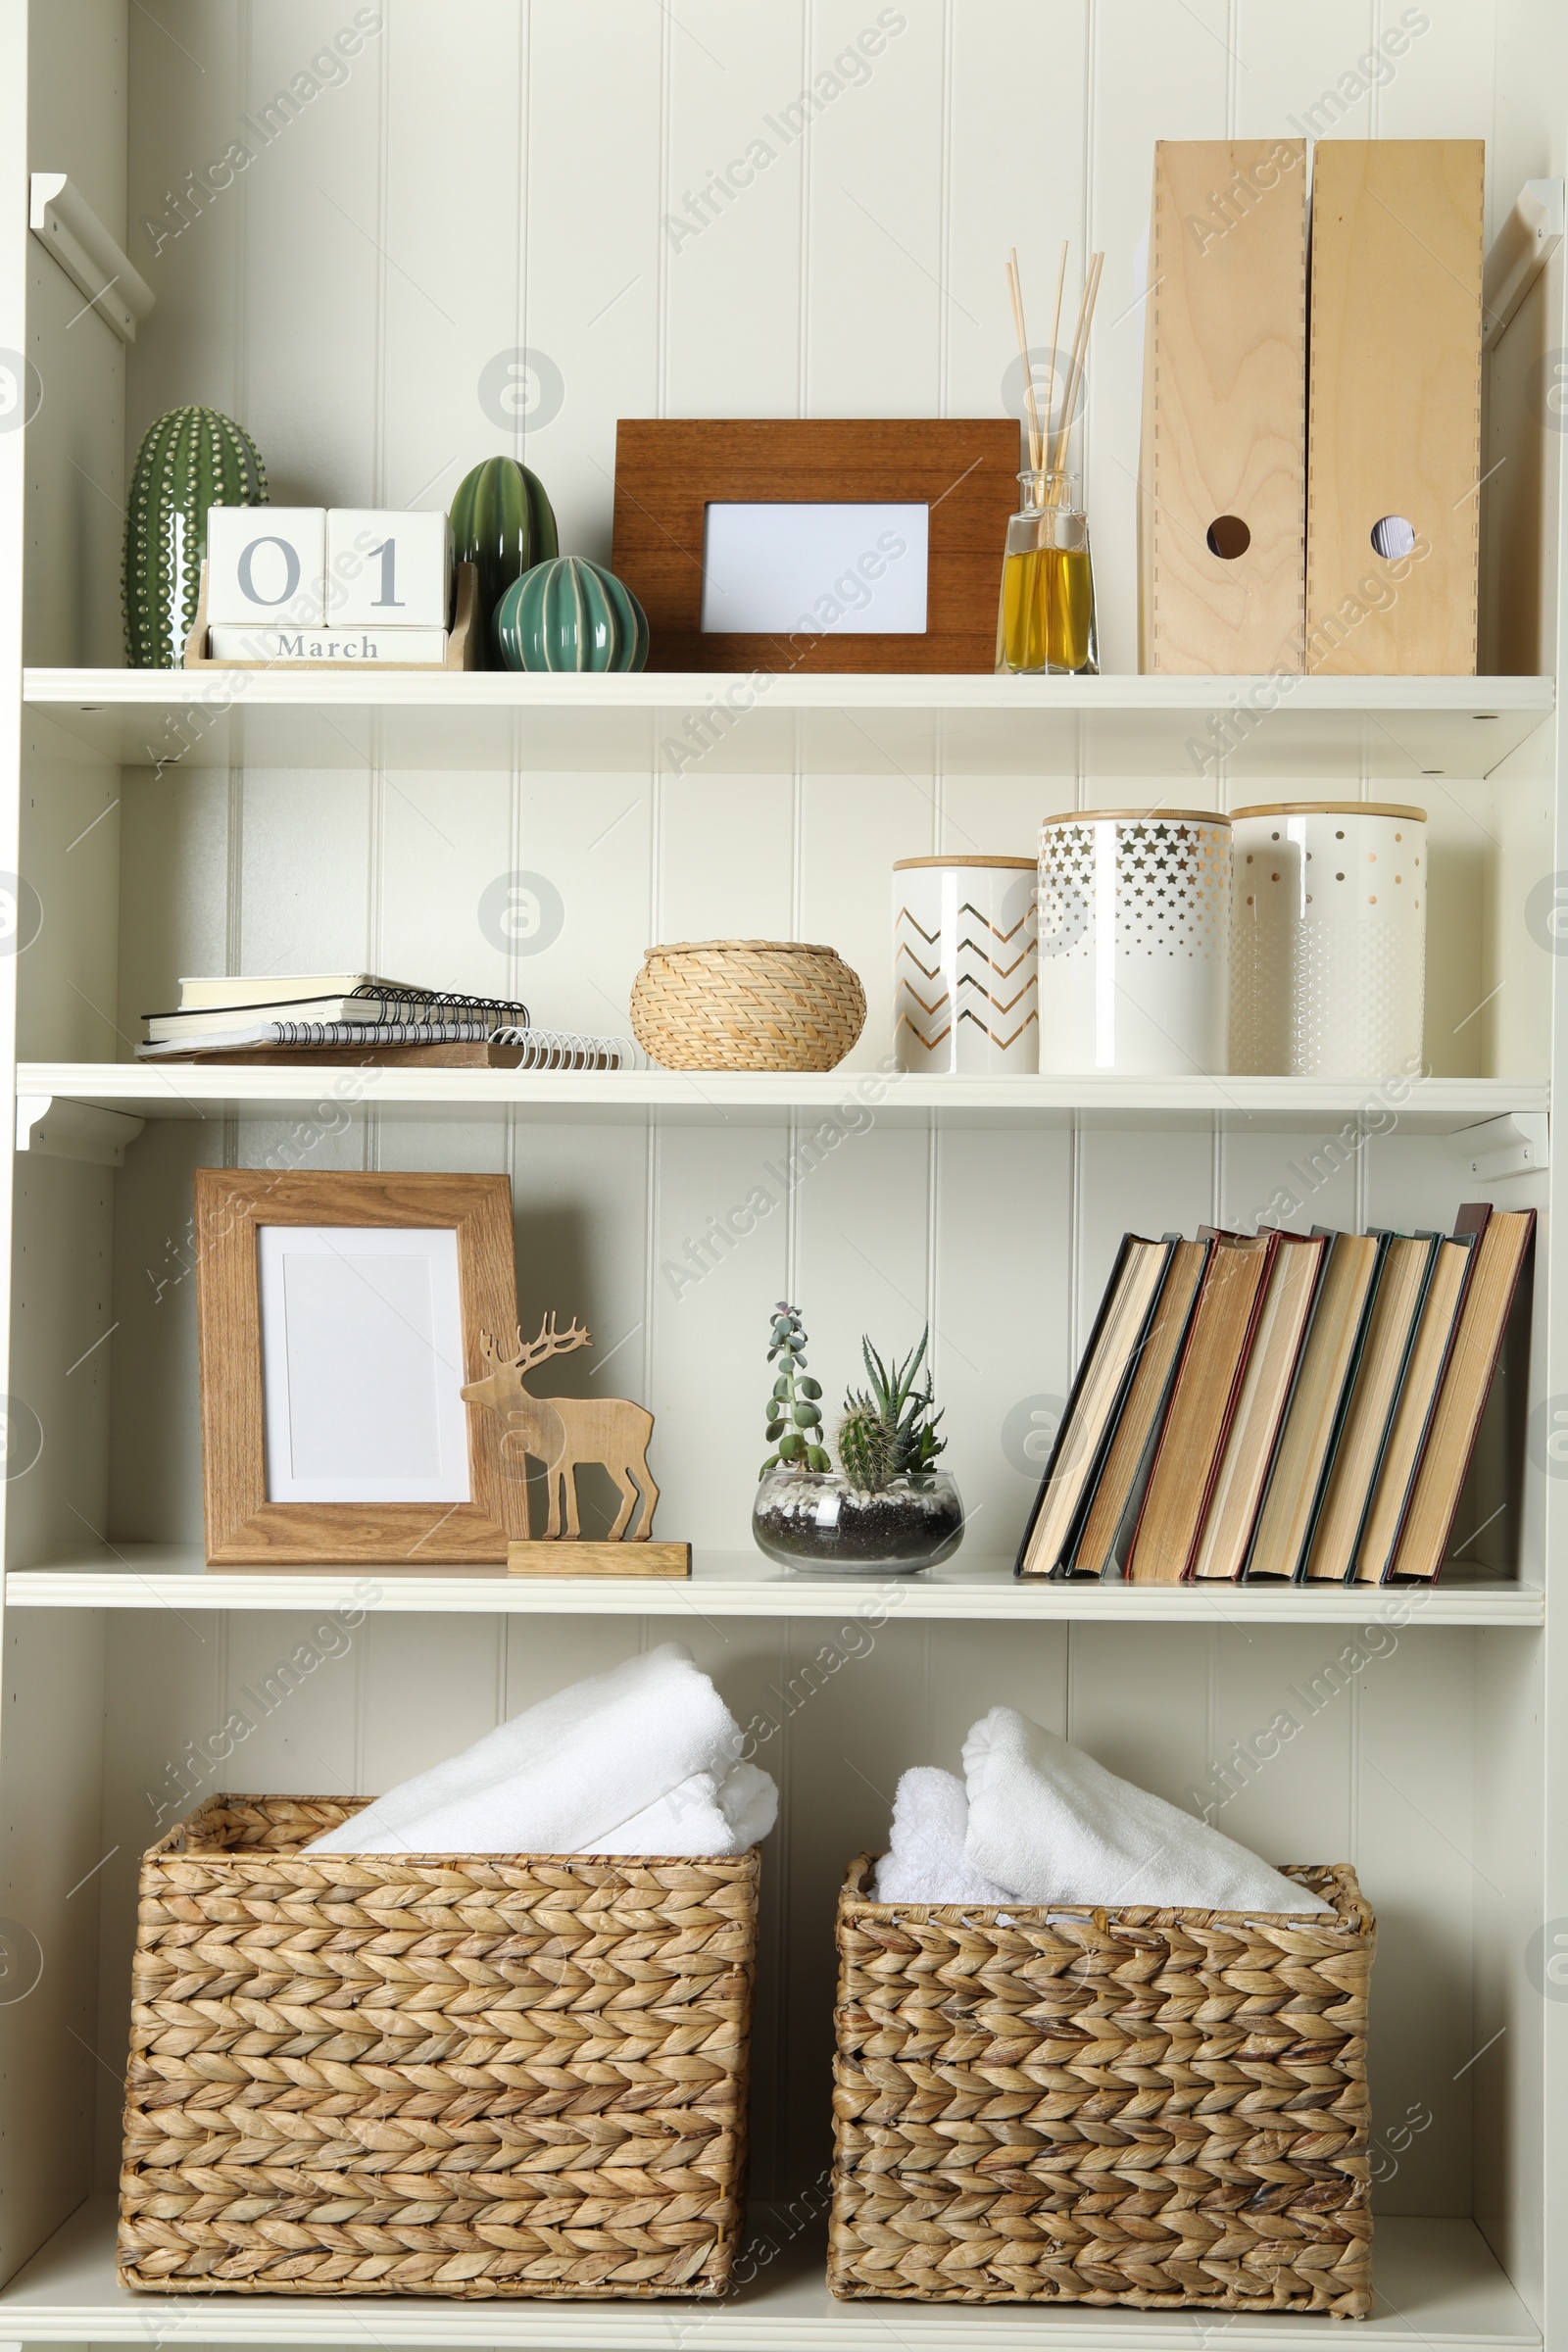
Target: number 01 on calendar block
x: 387, y: 569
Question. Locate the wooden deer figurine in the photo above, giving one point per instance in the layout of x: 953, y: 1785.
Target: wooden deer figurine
x: 563, y: 1431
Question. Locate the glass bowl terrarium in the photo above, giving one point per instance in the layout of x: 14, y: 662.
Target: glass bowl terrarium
x: 886, y: 1509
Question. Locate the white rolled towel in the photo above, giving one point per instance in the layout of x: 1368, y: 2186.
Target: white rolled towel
x: 710, y: 1813
x: 925, y: 1861
x: 1050, y: 1822
x: 564, y: 1776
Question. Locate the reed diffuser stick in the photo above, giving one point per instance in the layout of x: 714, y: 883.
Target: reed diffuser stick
x: 1055, y: 330
x: 1080, y: 346
x: 1015, y: 291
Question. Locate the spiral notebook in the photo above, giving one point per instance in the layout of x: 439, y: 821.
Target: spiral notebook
x: 448, y: 1044
x: 224, y: 1010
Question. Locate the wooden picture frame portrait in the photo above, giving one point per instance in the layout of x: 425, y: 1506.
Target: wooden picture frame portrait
x: 962, y: 471
x: 436, y: 1447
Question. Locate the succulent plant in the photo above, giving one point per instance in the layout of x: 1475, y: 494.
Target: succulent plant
x: 865, y: 1449
x: 893, y: 1431
x: 793, y: 1413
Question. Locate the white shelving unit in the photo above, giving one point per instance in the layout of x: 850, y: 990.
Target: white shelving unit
x: 184, y: 1090
x: 1401, y: 729
x: 164, y: 824
x: 141, y: 1576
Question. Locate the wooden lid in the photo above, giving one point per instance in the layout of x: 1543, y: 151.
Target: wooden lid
x: 901, y: 864
x: 1416, y: 816
x: 1183, y: 816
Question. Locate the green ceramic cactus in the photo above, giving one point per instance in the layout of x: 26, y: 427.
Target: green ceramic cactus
x: 502, y: 522
x: 571, y: 614
x: 189, y: 459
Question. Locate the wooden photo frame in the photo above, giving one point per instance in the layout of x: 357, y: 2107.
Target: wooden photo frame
x: 423, y: 1467
x: 962, y: 471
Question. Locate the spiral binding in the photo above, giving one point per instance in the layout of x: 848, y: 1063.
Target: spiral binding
x: 451, y: 1003
x: 569, y: 1050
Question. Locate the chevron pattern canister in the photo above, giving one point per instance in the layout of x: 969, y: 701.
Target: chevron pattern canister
x: 964, y: 965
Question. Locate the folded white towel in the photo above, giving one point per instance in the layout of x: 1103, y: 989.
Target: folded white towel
x: 925, y: 1861
x: 1050, y: 1822
x: 710, y: 1813
x: 563, y: 1774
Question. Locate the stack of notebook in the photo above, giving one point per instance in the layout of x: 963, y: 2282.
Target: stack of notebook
x: 358, y: 1017
x: 1301, y: 1406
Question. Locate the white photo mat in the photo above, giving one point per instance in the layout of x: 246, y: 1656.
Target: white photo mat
x: 851, y: 570
x: 362, y: 1364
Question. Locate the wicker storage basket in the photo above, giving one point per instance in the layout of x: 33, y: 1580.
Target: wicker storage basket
x: 1161, y: 2108
x: 378, y: 2075
x: 747, y: 1005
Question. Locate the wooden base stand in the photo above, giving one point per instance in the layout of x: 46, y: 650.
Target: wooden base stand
x: 564, y: 1559
x: 462, y: 638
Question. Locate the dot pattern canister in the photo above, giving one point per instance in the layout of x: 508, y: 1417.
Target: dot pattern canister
x: 964, y: 965
x: 1328, y: 952
x: 1133, y: 943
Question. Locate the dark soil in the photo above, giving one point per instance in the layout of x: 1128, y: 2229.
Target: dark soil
x: 893, y: 1529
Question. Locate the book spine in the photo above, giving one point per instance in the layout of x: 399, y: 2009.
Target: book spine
x: 1238, y: 1375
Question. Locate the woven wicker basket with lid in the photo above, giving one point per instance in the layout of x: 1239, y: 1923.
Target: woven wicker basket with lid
x: 747, y: 1005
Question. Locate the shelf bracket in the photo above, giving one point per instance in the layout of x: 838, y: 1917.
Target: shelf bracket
x: 1516, y: 1145
x: 61, y: 1129
x: 66, y: 226
x: 1520, y: 250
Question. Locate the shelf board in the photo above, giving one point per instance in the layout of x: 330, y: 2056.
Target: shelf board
x: 1396, y: 729
x: 1438, y: 2286
x: 1276, y: 1105
x: 147, y: 1576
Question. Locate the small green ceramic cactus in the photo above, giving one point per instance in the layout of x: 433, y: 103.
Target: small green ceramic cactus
x: 189, y: 459
x: 793, y: 1413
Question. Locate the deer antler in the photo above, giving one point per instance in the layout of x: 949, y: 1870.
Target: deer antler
x: 550, y: 1342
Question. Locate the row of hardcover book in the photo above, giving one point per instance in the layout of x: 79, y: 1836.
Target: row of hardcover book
x: 1298, y: 1406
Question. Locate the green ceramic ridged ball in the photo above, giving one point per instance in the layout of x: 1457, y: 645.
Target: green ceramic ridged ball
x: 189, y: 459
x: 501, y: 521
x: 571, y: 614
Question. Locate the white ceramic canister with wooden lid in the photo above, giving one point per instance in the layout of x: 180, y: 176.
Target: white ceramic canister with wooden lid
x: 1328, y: 948
x: 1133, y: 943
x: 964, y: 965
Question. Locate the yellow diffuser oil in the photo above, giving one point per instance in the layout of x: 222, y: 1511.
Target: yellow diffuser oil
x: 1047, y: 617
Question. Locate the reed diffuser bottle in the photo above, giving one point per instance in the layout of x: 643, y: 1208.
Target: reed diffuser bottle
x: 1046, y: 620
x: 1047, y: 617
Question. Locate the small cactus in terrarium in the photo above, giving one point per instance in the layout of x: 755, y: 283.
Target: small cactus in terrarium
x: 892, y: 1432
x: 865, y: 1449
x: 794, y: 1412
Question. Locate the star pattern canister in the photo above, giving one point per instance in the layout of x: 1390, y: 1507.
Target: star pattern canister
x: 1133, y: 945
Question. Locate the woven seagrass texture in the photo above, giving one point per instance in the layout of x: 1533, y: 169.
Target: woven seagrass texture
x: 440, y: 2075
x: 1160, y: 2108
x: 747, y: 1005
